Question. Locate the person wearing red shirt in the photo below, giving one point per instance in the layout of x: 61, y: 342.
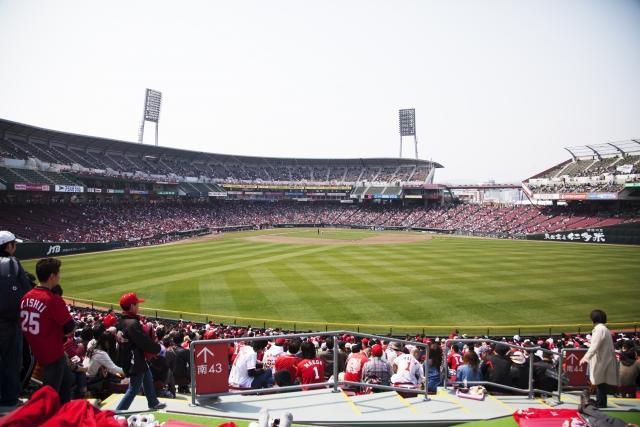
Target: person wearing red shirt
x: 45, y: 322
x: 310, y: 369
x: 288, y: 361
x: 454, y: 359
x: 355, y: 364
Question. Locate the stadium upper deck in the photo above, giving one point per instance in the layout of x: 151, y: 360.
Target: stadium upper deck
x: 53, y: 151
x: 598, y: 172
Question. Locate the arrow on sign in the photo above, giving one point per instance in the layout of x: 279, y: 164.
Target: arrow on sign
x: 205, y: 350
x: 572, y: 357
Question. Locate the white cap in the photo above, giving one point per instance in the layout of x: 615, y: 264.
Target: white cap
x: 7, y: 236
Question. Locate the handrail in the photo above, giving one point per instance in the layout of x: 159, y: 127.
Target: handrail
x: 529, y: 350
x: 335, y: 383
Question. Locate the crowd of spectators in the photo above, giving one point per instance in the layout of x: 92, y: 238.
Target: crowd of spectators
x: 155, y: 221
x: 278, y: 362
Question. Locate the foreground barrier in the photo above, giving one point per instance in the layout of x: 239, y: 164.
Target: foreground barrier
x: 578, y: 378
x: 210, y: 368
x: 210, y: 371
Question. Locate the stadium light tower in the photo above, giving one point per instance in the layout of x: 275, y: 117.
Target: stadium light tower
x: 152, y: 101
x: 408, y: 127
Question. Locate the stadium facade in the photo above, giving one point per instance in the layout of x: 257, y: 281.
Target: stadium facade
x: 597, y: 189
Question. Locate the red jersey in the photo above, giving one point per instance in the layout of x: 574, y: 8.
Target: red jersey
x: 454, y: 360
x: 310, y: 371
x: 43, y: 315
x: 355, y: 363
x: 288, y: 362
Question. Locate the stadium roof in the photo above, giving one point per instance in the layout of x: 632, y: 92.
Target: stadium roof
x: 8, y: 127
x: 608, y: 149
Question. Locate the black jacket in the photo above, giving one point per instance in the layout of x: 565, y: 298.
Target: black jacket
x: 131, y: 352
x: 14, y: 283
x: 497, y: 369
x: 179, y: 360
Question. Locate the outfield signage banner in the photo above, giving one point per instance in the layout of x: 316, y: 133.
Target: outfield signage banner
x: 40, y: 250
x: 94, y: 190
x: 217, y: 194
x: 602, y: 196
x: 573, y: 196
x: 166, y: 193
x: 31, y: 187
x: 142, y: 192
x: 287, y: 187
x: 115, y: 191
x: 628, y: 234
x: 632, y: 185
x: 69, y: 189
x: 624, y: 168
x: 413, y: 196
x: 546, y: 196
x: 386, y: 196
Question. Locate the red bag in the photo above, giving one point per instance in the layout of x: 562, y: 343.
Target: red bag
x: 533, y: 417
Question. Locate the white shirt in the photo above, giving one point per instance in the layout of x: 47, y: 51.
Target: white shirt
x: 245, y: 360
x: 270, y: 356
x: 98, y: 360
x: 409, y: 370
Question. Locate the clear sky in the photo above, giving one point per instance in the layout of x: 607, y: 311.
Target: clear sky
x: 499, y: 87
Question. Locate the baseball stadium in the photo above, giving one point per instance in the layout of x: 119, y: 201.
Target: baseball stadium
x: 264, y: 246
x: 361, y: 213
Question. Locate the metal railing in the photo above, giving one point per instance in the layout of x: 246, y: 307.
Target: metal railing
x: 336, y: 383
x: 526, y: 350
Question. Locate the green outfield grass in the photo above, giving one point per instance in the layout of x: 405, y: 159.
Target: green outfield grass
x: 470, y: 283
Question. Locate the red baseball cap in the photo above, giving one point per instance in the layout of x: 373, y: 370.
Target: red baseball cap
x: 127, y: 300
x: 376, y: 350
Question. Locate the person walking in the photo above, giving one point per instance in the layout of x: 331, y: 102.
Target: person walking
x: 136, y: 344
x: 601, y: 356
x: 14, y: 283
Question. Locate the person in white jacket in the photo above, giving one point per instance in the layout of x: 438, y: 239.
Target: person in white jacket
x: 97, y: 358
x: 601, y: 356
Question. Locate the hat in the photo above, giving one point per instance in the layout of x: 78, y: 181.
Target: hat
x: 376, y: 350
x: 280, y: 341
x: 7, y: 236
x: 129, y: 299
x: 365, y: 342
x: 396, y: 345
x: 484, y: 349
x: 518, y: 358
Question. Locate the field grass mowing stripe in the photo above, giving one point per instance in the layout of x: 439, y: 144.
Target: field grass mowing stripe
x: 282, y: 297
x: 169, y: 278
x: 101, y: 263
x: 370, y: 290
x: 213, y: 290
x: 326, y: 289
x: 196, y: 264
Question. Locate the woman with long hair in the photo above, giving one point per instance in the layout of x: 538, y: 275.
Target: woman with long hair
x: 470, y: 368
x: 434, y: 373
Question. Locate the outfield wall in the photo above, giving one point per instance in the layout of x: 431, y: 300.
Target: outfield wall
x: 626, y: 234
